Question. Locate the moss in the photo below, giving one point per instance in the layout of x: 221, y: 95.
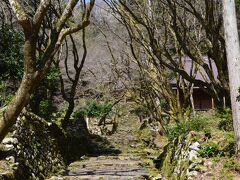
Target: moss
x: 39, y: 151
x: 184, y: 165
x: 173, y: 161
x: 167, y: 167
x: 6, y: 171
x: 9, y: 176
x: 226, y: 175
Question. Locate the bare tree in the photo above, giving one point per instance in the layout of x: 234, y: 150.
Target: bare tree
x: 69, y: 95
x: 36, y: 67
x: 178, y: 29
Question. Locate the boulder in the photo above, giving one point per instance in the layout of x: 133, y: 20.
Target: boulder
x: 195, y: 146
x: 192, y: 173
x: 208, y: 164
x: 10, y: 141
x: 193, y: 155
x: 158, y: 177
x: 9, y: 147
x: 10, y: 159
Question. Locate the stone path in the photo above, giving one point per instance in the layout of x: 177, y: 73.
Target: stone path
x: 107, y: 167
x: 124, y: 166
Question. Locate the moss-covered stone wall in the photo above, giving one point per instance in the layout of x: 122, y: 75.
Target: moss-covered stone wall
x: 37, y: 151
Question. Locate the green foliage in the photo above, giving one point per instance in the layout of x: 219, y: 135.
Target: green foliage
x: 197, y: 123
x: 227, y: 147
x: 175, y: 130
x: 11, y: 53
x: 238, y: 3
x: 232, y: 164
x: 8, y: 98
x: 230, y: 167
x: 5, y: 97
x: 11, y: 61
x: 208, y: 150
x: 207, y: 133
x: 51, y: 78
x: 94, y: 109
x: 164, y: 104
x: 58, y: 115
x: 225, y: 122
x: 46, y: 109
x: 41, y: 100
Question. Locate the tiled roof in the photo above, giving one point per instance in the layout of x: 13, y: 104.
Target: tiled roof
x: 199, y: 76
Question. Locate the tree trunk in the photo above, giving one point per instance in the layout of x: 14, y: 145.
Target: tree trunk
x: 22, y: 96
x: 9, y: 116
x: 66, y: 120
x: 233, y: 58
x: 32, y: 27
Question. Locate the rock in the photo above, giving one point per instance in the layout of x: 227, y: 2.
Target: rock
x: 33, y: 176
x: 121, y: 158
x: 148, y: 151
x: 40, y: 168
x: 132, y: 145
x: 209, y: 174
x: 192, y: 166
x: 154, y: 131
x: 193, y: 155
x: 10, y: 159
x: 83, y: 157
x: 7, y: 175
x: 56, y: 178
x: 10, y: 141
x: 208, y: 164
x: 201, y: 168
x: 14, y: 166
x: 195, y: 146
x: 9, y: 147
x: 198, y: 161
x: 158, y: 177
x: 192, y: 173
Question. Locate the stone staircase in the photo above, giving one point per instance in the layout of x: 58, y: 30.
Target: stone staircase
x: 120, y: 167
x: 111, y: 166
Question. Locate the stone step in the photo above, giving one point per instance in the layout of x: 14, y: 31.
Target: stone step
x: 115, y: 163
x: 106, y: 167
x: 98, y: 177
x: 132, y: 171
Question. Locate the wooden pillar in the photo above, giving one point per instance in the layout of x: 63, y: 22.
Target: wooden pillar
x: 224, y: 102
x: 213, y: 105
x: 191, y: 99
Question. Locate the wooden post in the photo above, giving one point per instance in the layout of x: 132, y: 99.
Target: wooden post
x: 192, y: 100
x: 224, y: 102
x: 213, y: 103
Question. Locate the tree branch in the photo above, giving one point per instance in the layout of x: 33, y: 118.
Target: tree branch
x: 21, y: 15
x: 40, y: 13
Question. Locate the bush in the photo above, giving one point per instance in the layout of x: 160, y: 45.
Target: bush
x: 5, y: 96
x: 51, y: 79
x: 46, y: 109
x: 93, y: 109
x: 208, y: 150
x: 225, y: 122
x: 232, y: 164
x: 197, y: 123
x: 174, y: 131
x: 11, y: 53
x: 227, y: 146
